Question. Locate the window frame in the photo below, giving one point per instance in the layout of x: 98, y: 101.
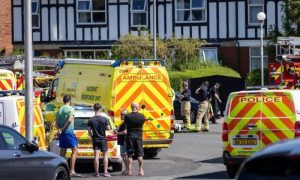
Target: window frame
x: 250, y: 58
x: 204, y: 8
x: 209, y: 48
x: 37, y: 13
x: 249, y: 13
x: 87, y: 50
x: 91, y: 11
x: 132, y: 12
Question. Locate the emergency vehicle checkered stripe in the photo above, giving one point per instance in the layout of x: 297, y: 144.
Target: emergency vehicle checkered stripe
x: 6, y: 84
x: 152, y: 94
x: 274, y: 121
x: 39, y: 131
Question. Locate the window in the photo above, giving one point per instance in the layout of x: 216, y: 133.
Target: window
x: 12, y: 140
x: 88, y: 54
x: 255, y: 58
x: 190, y: 10
x: 35, y: 14
x: 138, y: 11
x: 254, y: 7
x: 91, y: 11
x: 209, y: 54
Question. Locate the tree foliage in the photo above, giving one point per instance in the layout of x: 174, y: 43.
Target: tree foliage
x: 291, y: 20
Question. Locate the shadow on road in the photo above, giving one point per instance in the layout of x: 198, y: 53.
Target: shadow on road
x: 213, y: 175
x: 218, y: 160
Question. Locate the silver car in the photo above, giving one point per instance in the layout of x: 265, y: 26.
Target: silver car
x: 21, y: 159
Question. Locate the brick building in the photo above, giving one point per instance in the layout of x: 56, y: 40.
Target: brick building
x: 5, y: 27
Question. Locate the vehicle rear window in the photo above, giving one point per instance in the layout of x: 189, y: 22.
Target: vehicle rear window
x: 81, y: 123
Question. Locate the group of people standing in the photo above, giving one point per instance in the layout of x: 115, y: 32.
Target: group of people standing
x: 206, y: 97
x: 129, y: 136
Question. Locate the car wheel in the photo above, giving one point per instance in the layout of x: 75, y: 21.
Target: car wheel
x: 193, y: 116
x: 117, y: 166
x: 231, y: 170
x: 151, y: 152
x: 61, y: 174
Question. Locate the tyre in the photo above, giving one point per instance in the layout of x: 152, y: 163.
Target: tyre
x: 117, y: 166
x: 151, y: 152
x: 61, y: 174
x: 231, y: 170
x: 193, y: 116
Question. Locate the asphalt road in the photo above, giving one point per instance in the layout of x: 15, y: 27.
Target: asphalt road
x: 191, y: 156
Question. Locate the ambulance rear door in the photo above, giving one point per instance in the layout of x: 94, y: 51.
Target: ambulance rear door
x: 243, y: 119
x: 278, y: 117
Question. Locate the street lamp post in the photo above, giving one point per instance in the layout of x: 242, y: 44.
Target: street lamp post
x: 154, y: 29
x: 261, y: 16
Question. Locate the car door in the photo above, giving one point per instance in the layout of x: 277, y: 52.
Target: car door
x: 25, y: 164
x: 6, y: 156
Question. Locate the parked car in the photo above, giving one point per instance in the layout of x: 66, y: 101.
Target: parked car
x: 21, y: 159
x: 85, y: 145
x: 194, y: 108
x: 277, y: 161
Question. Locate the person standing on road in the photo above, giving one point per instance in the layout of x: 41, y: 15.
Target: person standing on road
x: 215, y: 101
x: 67, y: 139
x: 97, y: 126
x: 202, y: 93
x: 134, y: 143
x: 121, y: 132
x: 186, y: 105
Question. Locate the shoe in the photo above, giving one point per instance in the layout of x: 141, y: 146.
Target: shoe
x: 75, y: 175
x: 129, y: 173
x: 141, y: 173
x: 124, y: 172
x: 96, y: 174
x: 106, y: 175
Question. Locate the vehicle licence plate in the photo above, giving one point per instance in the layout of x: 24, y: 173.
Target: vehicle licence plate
x: 244, y: 141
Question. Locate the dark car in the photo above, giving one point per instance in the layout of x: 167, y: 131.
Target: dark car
x: 194, y: 108
x: 277, y: 161
x: 21, y: 159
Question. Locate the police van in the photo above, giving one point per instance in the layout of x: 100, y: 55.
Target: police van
x: 255, y: 119
x: 116, y: 84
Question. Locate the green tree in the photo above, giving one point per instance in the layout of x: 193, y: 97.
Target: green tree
x: 291, y: 20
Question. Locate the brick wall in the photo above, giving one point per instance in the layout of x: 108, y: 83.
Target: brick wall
x: 235, y: 58
x: 5, y: 26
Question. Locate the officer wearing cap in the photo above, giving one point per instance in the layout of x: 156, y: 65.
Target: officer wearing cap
x: 186, y: 105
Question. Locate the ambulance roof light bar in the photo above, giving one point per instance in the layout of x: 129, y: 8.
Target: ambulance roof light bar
x: 146, y: 61
x: 89, y: 61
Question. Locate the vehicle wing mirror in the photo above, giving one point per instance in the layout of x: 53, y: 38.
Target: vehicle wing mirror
x: 43, y: 96
x: 33, y: 147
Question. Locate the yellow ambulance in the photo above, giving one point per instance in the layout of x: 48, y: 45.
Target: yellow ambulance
x: 255, y: 119
x: 12, y: 114
x: 7, y: 80
x: 116, y: 84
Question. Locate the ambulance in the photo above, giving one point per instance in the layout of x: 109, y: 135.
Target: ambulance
x: 116, y: 84
x: 12, y: 114
x: 255, y: 119
x: 7, y: 80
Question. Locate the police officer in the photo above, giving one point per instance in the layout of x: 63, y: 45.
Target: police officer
x: 202, y: 93
x: 186, y: 105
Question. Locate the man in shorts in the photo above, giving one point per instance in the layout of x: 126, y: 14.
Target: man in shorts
x: 134, y: 143
x: 65, y: 126
x: 97, y: 126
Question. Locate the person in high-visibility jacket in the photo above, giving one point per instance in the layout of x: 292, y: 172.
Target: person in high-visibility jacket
x: 186, y: 105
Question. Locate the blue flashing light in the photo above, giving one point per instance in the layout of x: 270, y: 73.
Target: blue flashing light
x: 147, y: 61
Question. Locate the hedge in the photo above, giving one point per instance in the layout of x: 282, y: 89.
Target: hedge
x: 177, y: 77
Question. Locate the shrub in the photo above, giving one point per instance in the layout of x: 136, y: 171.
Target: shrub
x: 254, y: 77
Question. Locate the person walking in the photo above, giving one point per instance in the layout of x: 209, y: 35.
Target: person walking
x: 186, y: 105
x: 202, y: 93
x: 121, y: 132
x: 67, y: 139
x: 134, y: 143
x: 215, y: 96
x: 97, y: 126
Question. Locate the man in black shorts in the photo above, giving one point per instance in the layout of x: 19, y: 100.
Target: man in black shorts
x: 97, y: 126
x: 134, y: 143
